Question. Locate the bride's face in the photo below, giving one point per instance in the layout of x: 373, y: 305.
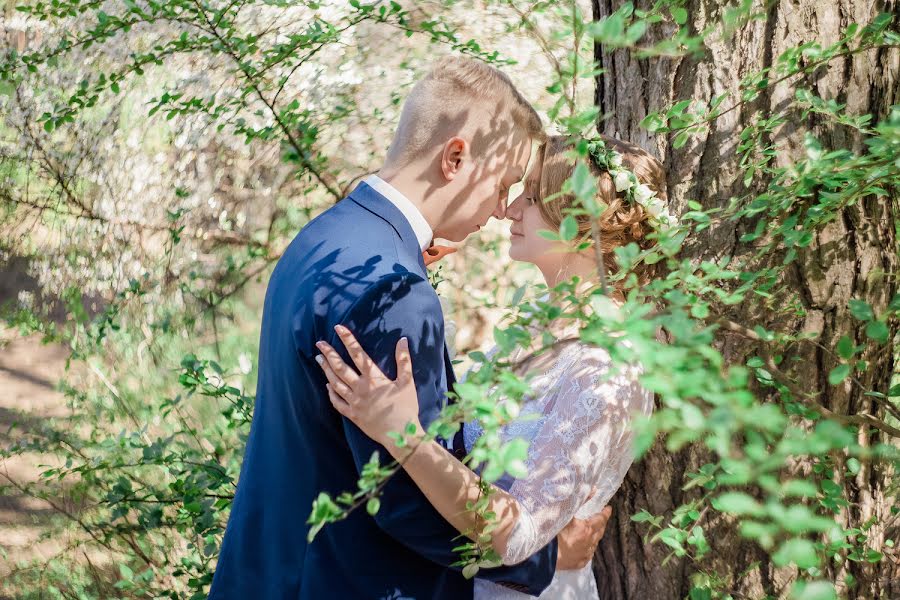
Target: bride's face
x: 525, y: 243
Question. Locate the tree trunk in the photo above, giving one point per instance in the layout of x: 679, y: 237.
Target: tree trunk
x: 854, y: 257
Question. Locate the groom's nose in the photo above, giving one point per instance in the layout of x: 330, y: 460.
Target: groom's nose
x: 500, y: 211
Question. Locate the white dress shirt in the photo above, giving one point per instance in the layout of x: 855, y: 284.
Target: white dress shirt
x: 420, y: 226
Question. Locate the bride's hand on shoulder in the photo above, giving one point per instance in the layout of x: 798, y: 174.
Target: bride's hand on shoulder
x: 375, y: 403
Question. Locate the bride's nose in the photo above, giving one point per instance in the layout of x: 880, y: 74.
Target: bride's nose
x: 514, y: 210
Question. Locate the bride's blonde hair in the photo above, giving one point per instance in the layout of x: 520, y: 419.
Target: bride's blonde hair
x: 622, y: 222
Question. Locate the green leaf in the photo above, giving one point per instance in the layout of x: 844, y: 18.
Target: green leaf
x: 700, y: 594
x: 653, y: 123
x: 798, y: 551
x: 838, y: 374
x: 700, y: 310
x: 584, y: 185
x: 737, y: 503
x: 894, y: 304
x: 548, y: 235
x: 679, y: 15
x: 568, y: 228
x: 373, y: 505
x: 799, y: 487
x: 677, y: 109
x: 517, y: 297
x: 635, y: 31
x: 642, y: 516
x: 609, y: 30
x: 878, y: 331
x: 861, y: 311
x: 845, y: 348
x: 813, y: 590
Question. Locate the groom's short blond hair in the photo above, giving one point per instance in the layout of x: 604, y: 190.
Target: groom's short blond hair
x: 466, y: 97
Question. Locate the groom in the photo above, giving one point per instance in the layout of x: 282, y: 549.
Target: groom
x: 464, y: 138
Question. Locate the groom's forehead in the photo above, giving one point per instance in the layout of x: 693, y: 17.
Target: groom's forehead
x: 514, y: 172
x: 519, y: 161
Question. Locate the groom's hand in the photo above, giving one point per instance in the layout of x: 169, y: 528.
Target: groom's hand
x: 578, y: 541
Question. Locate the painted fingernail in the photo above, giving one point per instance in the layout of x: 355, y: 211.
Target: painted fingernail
x: 320, y: 359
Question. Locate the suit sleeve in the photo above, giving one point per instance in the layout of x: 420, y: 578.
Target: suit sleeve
x: 404, y: 304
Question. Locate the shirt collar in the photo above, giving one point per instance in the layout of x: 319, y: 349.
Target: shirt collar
x: 418, y: 223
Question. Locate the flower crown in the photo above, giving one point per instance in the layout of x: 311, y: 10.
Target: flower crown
x: 626, y: 181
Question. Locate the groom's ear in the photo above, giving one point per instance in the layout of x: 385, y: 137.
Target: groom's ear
x: 456, y: 152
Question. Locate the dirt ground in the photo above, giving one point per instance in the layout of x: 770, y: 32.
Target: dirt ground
x: 29, y: 372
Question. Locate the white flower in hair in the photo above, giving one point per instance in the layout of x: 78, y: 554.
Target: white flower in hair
x: 622, y: 180
x: 625, y: 181
x: 666, y: 218
x: 643, y: 193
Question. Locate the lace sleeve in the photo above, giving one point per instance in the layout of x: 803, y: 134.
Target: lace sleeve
x: 585, y: 442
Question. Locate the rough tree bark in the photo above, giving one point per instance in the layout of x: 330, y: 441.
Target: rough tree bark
x: 855, y: 257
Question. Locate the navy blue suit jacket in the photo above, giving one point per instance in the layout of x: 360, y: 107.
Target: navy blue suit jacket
x: 358, y: 264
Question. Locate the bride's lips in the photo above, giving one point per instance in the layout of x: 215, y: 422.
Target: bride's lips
x: 515, y: 233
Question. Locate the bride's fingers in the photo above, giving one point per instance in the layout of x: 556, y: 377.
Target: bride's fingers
x: 359, y: 357
x: 404, y: 362
x: 338, y: 403
x: 336, y: 383
x: 337, y: 364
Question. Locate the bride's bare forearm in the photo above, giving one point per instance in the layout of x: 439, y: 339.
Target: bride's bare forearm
x: 449, y: 485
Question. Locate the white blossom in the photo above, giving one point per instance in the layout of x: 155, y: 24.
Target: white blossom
x: 643, y: 193
x: 622, y: 180
x: 655, y: 207
x: 666, y: 218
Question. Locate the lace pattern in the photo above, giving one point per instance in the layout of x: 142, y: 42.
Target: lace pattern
x: 581, y: 441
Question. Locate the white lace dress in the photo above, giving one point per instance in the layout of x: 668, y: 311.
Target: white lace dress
x: 579, y: 440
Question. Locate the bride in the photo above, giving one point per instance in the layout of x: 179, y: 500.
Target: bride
x: 579, y: 430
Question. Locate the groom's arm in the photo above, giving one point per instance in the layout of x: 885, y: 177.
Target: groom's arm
x: 404, y: 304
